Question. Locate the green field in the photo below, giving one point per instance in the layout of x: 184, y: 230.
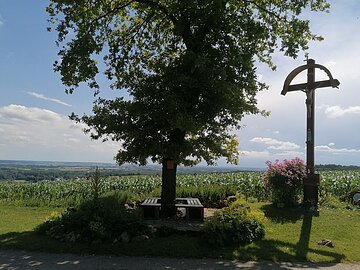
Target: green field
x: 68, y: 192
x: 291, y: 234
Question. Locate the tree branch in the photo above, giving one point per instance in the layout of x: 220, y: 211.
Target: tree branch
x: 111, y: 12
x: 144, y: 23
x: 155, y: 4
x: 264, y: 9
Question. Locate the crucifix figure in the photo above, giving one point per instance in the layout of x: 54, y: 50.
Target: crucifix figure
x: 309, y: 102
x: 311, y: 184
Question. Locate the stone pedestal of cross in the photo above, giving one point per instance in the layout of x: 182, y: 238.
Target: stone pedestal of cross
x: 311, y: 184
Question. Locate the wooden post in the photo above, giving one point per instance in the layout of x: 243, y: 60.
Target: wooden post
x: 310, y: 184
x: 310, y: 105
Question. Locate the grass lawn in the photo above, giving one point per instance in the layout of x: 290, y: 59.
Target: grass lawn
x: 291, y: 235
x: 21, y: 219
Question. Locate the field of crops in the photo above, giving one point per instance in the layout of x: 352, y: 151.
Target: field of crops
x: 68, y: 192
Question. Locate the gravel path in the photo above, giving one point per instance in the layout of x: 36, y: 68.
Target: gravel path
x: 23, y: 260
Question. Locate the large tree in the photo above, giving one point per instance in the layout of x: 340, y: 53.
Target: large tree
x: 188, y: 67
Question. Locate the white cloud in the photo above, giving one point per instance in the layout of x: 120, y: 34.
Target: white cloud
x: 274, y: 144
x: 322, y: 107
x: 290, y: 154
x: 71, y: 140
x: 266, y: 154
x: 39, y: 134
x: 16, y: 113
x: 255, y: 154
x: 330, y: 63
x: 22, y: 138
x: 329, y: 149
x: 284, y: 146
x: 41, y: 96
x: 2, y: 21
x: 253, y: 158
x: 337, y: 111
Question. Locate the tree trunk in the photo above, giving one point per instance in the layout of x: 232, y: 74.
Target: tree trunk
x: 168, y: 191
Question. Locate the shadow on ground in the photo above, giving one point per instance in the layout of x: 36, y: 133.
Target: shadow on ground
x: 285, y: 251
x: 188, y: 246
x: 34, y: 242
x: 282, y: 215
x: 10, y: 259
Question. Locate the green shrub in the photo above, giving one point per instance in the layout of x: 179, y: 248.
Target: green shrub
x: 284, y: 181
x: 96, y: 220
x: 231, y: 199
x: 333, y: 202
x: 233, y: 225
x: 240, y: 198
x: 122, y: 197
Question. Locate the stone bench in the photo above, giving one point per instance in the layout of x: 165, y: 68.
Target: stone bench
x: 194, y: 210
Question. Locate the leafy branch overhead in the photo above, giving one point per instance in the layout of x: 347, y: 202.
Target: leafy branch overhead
x: 188, y: 66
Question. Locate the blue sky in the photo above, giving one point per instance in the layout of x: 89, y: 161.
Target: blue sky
x: 34, y: 107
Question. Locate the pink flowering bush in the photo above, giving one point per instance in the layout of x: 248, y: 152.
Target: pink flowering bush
x: 284, y: 181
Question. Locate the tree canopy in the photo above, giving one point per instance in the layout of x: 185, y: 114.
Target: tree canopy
x: 189, y: 67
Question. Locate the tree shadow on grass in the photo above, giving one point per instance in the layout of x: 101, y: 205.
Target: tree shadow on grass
x: 302, y: 246
x: 170, y: 246
x: 268, y: 249
x: 286, y: 251
x: 33, y: 241
x: 275, y: 250
x: 282, y: 215
x: 16, y: 240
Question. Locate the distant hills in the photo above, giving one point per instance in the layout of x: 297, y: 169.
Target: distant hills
x: 54, y: 163
x: 93, y: 165
x: 335, y: 167
x: 54, y: 170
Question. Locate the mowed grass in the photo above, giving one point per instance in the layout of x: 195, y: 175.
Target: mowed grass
x: 22, y: 219
x: 291, y: 235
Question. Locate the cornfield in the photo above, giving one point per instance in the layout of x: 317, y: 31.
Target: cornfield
x: 68, y: 192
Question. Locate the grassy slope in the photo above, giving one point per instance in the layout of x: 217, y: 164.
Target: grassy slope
x: 20, y: 219
x: 291, y: 236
